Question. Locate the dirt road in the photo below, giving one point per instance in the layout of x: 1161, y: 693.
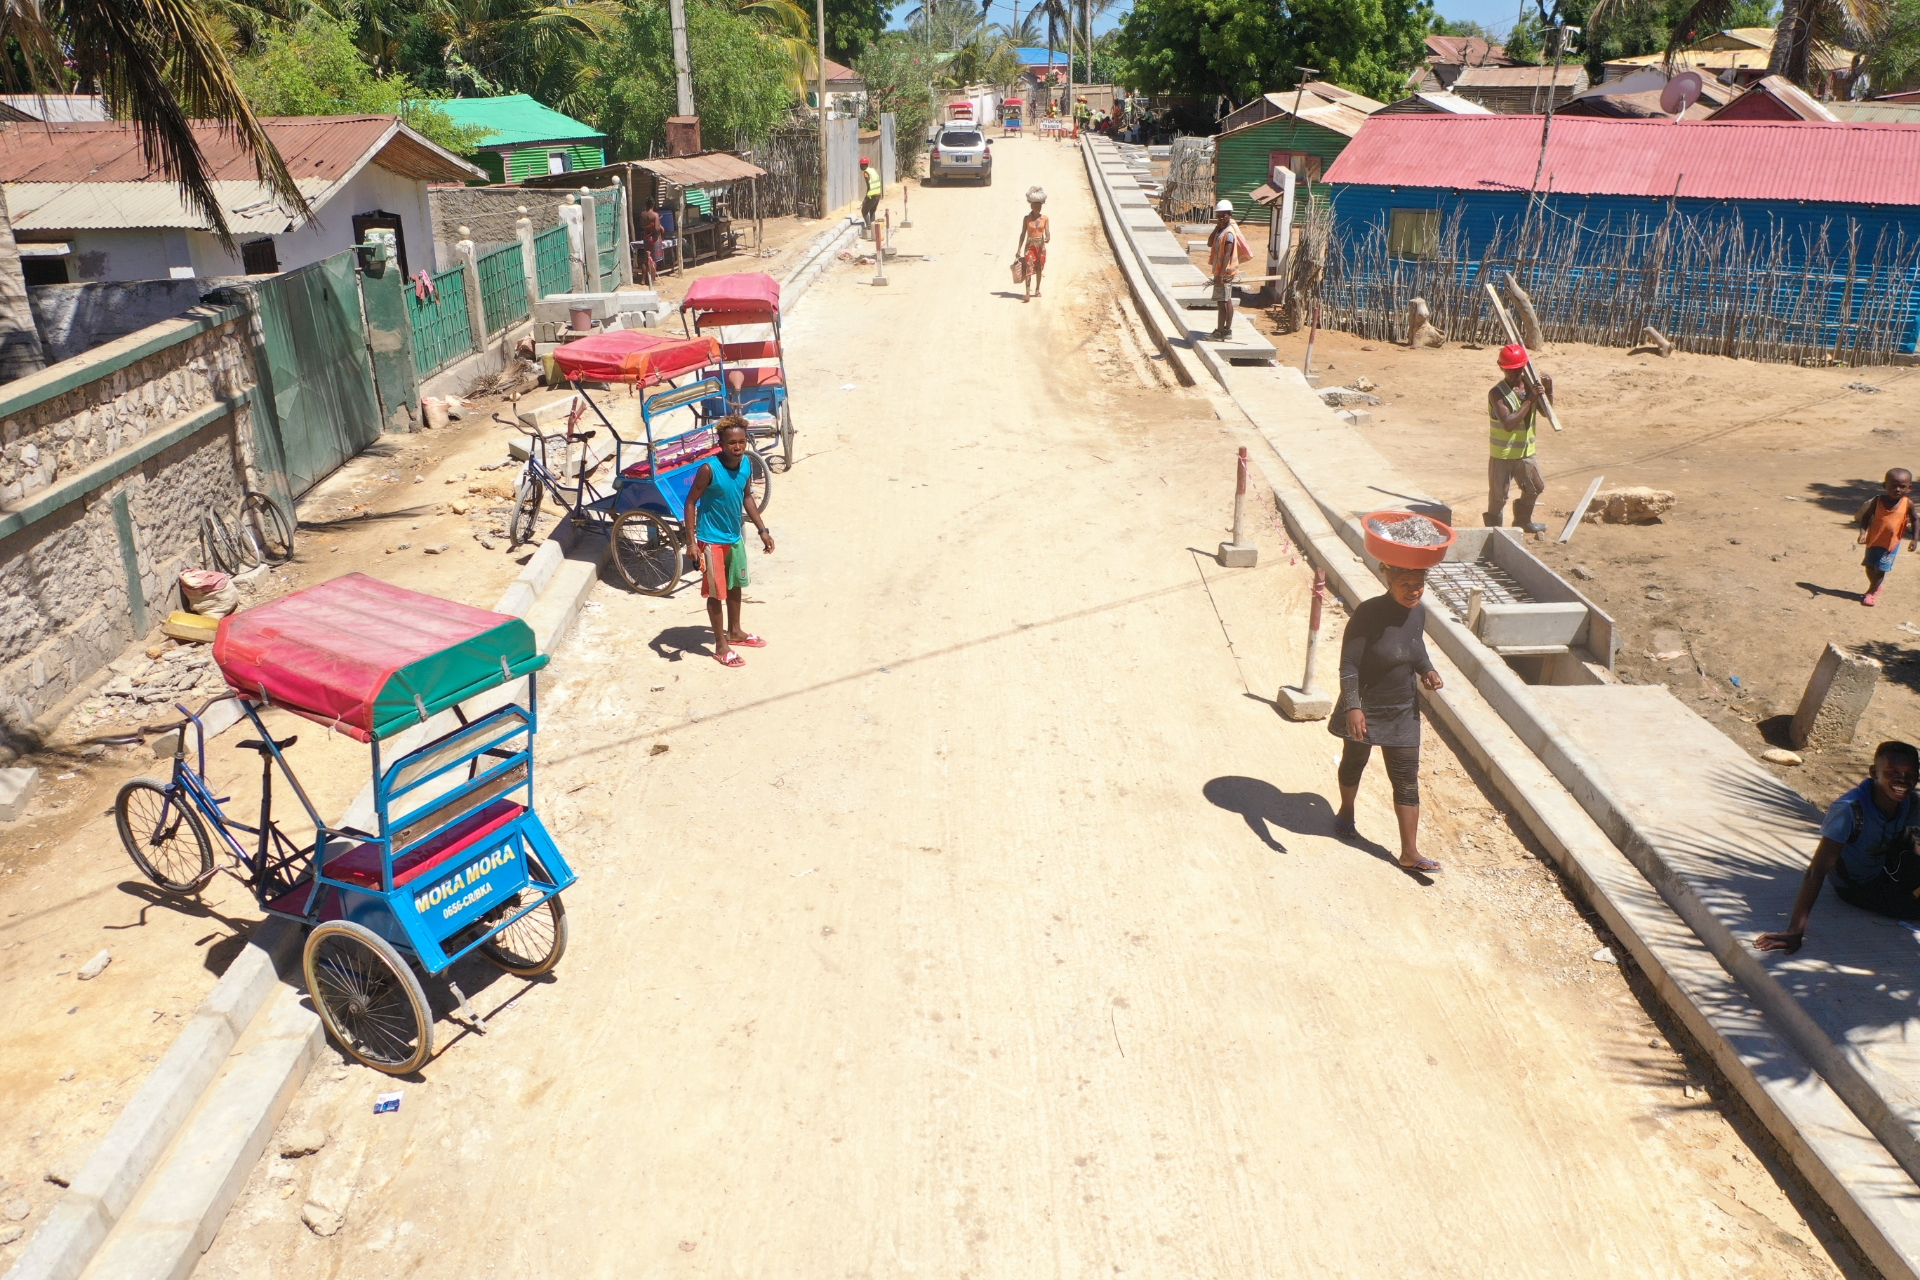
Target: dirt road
x: 988, y: 923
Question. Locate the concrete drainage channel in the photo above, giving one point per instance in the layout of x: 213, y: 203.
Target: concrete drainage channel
x: 151, y: 1197
x: 1835, y: 1114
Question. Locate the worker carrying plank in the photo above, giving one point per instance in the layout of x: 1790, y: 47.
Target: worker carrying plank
x: 1512, y: 403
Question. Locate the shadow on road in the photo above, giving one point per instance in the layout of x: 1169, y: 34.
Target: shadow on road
x: 1265, y: 806
x: 676, y: 643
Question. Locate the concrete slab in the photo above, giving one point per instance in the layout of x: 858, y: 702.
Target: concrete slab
x: 1726, y: 843
x: 17, y: 786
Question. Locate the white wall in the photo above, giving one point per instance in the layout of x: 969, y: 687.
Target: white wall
x: 150, y: 254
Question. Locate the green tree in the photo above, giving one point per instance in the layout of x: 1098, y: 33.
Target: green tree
x: 1241, y: 48
x: 1894, y: 59
x: 1460, y: 27
x: 313, y: 68
x: 852, y: 25
x: 626, y: 88
x: 900, y: 72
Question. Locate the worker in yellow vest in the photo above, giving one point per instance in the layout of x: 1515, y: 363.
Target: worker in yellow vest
x: 872, y: 202
x: 1511, y: 405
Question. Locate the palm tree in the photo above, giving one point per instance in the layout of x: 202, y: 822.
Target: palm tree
x: 159, y: 64
x: 788, y: 28
x: 1807, y: 28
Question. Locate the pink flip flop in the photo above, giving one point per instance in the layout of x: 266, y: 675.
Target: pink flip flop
x: 729, y: 659
x: 748, y: 642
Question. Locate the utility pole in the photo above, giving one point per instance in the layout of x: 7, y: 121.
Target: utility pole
x: 683, y: 131
x: 820, y: 36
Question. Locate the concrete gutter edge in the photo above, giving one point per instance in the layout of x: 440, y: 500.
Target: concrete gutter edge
x: 1877, y: 1203
x: 821, y: 254
x: 1168, y: 334
x: 85, y: 1214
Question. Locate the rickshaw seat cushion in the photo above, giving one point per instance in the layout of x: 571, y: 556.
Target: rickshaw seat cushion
x: 731, y: 351
x: 641, y: 470
x: 361, y: 864
x: 759, y: 376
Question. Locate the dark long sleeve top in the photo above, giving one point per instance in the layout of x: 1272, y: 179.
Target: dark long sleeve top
x: 1384, y: 650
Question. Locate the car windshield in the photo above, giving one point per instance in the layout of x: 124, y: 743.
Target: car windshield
x: 957, y: 139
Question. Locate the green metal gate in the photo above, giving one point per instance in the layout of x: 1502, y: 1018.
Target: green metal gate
x: 322, y: 381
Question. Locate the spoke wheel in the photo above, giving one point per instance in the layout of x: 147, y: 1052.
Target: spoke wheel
x: 647, y: 551
x: 369, y: 997
x: 526, y: 509
x: 534, y: 943
x: 761, y: 485
x: 266, y: 529
x: 786, y: 437
x: 218, y: 541
x: 163, y: 835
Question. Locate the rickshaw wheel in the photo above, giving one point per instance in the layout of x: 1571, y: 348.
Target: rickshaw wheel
x: 178, y: 857
x: 786, y: 437
x: 647, y: 551
x: 368, y: 996
x: 526, y: 509
x: 761, y: 485
x: 533, y: 944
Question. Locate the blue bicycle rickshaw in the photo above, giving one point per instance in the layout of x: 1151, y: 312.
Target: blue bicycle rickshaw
x: 647, y: 505
x: 754, y: 368
x: 456, y: 861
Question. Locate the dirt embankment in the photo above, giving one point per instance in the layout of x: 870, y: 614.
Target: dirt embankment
x: 1753, y: 571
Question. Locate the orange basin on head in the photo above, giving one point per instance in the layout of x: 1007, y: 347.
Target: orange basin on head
x: 1399, y: 554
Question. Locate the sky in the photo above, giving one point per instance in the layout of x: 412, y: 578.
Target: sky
x: 1001, y: 11
x: 1495, y: 15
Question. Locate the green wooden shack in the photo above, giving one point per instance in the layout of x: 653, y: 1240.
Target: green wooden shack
x: 525, y: 139
x: 1303, y: 129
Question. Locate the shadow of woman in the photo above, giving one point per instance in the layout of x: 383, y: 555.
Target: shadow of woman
x: 1264, y: 806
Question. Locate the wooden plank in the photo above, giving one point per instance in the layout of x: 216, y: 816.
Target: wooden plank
x: 1579, y: 510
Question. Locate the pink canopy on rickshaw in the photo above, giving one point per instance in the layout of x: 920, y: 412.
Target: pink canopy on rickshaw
x: 630, y: 355
x: 369, y: 658
x: 741, y: 291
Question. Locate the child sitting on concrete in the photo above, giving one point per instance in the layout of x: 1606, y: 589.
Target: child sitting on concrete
x: 1884, y: 520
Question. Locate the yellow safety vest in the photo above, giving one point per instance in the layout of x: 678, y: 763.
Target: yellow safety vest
x: 1509, y: 444
x: 873, y: 181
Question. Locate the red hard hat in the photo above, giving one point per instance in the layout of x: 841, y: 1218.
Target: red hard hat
x: 864, y: 160
x: 1513, y: 356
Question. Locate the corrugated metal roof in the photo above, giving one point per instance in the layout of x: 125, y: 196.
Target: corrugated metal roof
x: 1842, y: 163
x: 96, y: 172
x: 1469, y: 51
x: 515, y: 119
x: 1519, y: 77
x: 699, y: 171
x: 1328, y: 106
x: 60, y: 108
x: 1433, y: 101
x: 115, y: 206
x: 1889, y: 112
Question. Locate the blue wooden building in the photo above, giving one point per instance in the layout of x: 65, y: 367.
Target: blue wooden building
x: 1769, y: 239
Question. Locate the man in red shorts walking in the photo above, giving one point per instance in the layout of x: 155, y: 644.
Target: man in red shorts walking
x: 715, y: 504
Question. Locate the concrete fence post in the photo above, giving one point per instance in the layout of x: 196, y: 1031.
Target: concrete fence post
x: 1836, y: 697
x: 523, y: 232
x: 622, y: 220
x: 590, y: 240
x: 476, y: 305
x: 576, y: 257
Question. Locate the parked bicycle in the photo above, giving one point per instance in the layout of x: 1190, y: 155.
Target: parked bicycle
x: 263, y: 534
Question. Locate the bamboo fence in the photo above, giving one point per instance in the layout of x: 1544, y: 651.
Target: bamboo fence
x: 1710, y: 284
x: 1187, y: 195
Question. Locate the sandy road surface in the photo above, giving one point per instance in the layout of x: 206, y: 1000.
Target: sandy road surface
x: 983, y: 925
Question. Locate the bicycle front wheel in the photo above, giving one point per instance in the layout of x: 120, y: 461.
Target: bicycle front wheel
x: 761, y: 485
x: 526, y: 509
x: 163, y: 835
x: 218, y: 541
x: 533, y: 944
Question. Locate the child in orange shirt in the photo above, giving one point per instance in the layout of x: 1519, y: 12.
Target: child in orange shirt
x: 1883, y: 521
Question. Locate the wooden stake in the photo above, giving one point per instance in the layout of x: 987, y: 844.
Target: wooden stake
x: 1580, y: 510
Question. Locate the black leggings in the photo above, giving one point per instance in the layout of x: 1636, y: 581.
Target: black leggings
x: 1882, y: 897
x: 1403, y: 769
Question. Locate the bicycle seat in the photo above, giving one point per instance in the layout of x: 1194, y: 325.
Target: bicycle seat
x: 585, y: 435
x: 253, y: 744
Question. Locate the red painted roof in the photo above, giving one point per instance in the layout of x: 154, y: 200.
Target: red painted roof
x: 1844, y: 162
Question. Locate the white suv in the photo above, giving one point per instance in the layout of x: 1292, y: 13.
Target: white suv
x: 961, y: 151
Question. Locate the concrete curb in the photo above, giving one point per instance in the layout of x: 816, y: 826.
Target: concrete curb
x: 1840, y: 1134
x: 819, y: 257
x: 210, y: 1126
x: 1169, y: 333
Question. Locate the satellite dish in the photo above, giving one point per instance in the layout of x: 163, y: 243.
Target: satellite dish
x: 1681, y: 92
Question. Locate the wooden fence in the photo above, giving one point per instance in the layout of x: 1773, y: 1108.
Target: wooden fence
x: 1710, y: 284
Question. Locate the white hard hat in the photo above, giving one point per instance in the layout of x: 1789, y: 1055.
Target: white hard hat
x: 1225, y: 206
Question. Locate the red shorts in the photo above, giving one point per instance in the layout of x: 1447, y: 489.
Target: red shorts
x: 723, y: 568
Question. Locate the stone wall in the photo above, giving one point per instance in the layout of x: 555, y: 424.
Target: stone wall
x: 491, y: 213
x: 66, y: 608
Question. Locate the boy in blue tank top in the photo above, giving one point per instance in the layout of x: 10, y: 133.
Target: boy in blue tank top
x: 715, y: 504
